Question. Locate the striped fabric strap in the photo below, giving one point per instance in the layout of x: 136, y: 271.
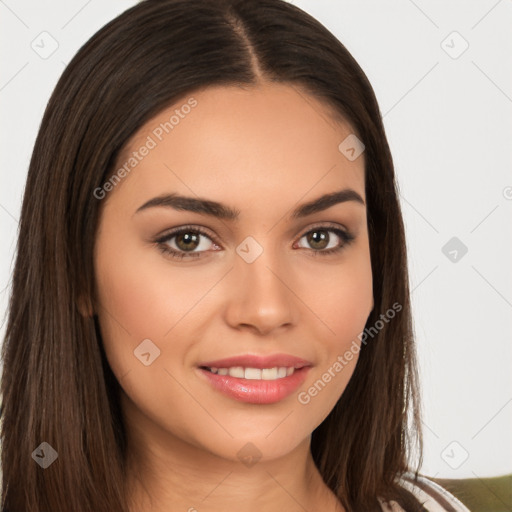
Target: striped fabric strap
x: 434, y: 497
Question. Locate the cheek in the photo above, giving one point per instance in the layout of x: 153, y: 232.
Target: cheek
x: 344, y: 298
x: 132, y: 301
x: 343, y: 301
x: 138, y: 292
x: 141, y: 296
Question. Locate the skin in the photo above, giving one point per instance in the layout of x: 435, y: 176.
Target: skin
x: 263, y: 151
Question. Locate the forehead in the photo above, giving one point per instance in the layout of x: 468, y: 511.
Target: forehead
x: 228, y: 139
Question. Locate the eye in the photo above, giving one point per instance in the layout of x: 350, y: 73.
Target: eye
x: 185, y: 242
x: 192, y: 241
x: 321, y: 240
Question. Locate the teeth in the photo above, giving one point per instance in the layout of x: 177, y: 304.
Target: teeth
x: 252, y: 374
x: 236, y: 371
x: 255, y: 373
x: 270, y: 373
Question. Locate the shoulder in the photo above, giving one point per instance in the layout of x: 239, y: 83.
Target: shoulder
x: 433, y: 497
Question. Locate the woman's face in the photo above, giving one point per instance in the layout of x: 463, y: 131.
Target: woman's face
x: 263, y: 279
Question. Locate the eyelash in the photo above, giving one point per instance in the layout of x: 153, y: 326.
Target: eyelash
x: 345, y: 236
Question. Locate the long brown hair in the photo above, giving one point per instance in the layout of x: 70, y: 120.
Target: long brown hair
x: 56, y: 385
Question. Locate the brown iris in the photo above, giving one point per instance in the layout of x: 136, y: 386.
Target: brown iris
x: 318, y: 239
x: 189, y: 239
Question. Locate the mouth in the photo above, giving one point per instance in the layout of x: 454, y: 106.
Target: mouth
x: 256, y: 379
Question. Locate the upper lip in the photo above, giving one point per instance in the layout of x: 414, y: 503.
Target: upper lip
x: 258, y: 361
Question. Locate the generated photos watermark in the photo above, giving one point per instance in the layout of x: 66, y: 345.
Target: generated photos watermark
x: 157, y: 135
x: 304, y: 397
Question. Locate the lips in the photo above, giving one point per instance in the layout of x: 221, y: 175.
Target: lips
x: 256, y: 379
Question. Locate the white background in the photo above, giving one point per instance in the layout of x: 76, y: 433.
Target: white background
x: 449, y: 126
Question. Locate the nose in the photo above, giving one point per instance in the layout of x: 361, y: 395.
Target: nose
x: 261, y: 296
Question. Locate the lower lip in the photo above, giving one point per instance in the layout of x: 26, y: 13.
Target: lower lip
x: 257, y: 391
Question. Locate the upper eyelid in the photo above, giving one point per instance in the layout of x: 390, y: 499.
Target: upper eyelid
x: 181, y: 229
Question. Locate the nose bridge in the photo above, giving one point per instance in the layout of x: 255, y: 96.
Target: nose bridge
x: 262, y: 297
x: 262, y: 275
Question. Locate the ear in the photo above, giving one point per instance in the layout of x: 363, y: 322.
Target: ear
x: 85, y: 307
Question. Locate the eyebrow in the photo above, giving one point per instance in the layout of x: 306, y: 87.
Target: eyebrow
x: 221, y: 211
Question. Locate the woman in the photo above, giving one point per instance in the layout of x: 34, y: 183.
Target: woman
x: 210, y: 305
